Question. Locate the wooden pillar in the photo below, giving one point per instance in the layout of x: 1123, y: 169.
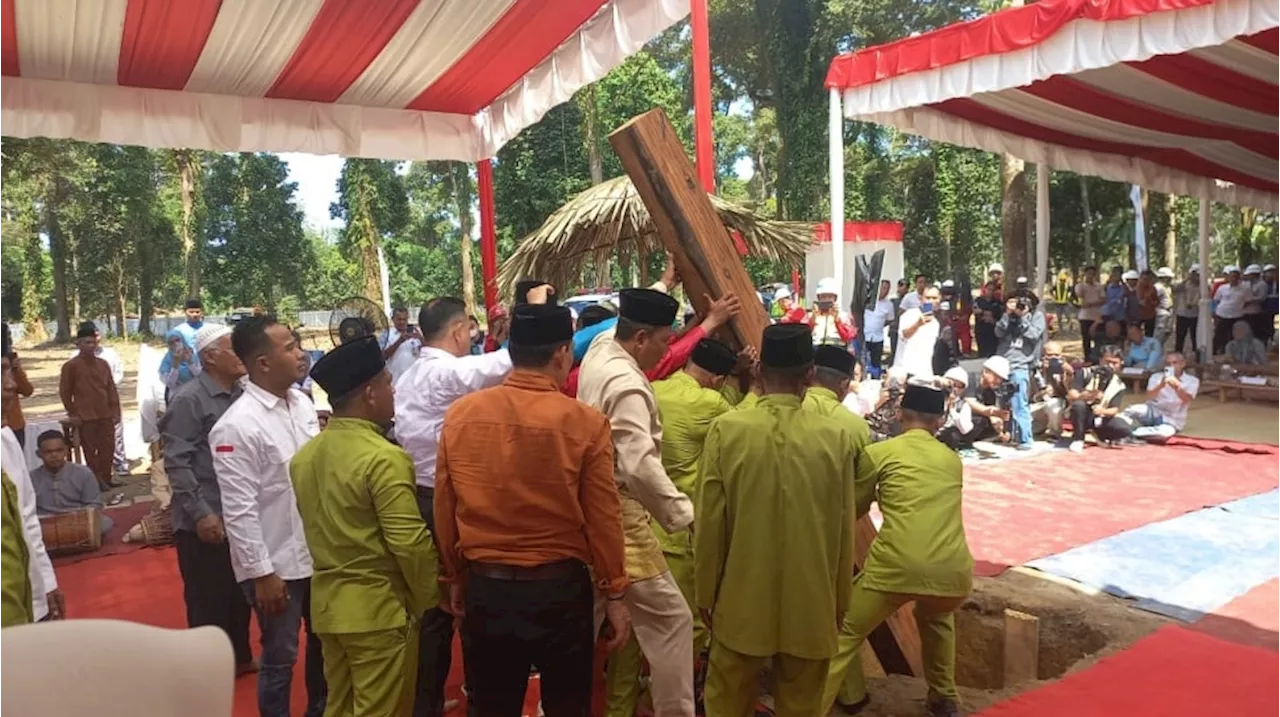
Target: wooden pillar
x: 689, y: 226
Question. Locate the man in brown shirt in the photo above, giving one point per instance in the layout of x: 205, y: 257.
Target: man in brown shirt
x: 93, y: 406
x: 525, y: 501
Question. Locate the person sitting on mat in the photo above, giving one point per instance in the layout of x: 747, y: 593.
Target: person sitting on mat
x: 920, y: 555
x: 1169, y: 393
x: 1094, y: 401
x: 63, y: 486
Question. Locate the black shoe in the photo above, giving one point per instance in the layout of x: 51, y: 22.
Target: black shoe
x: 1131, y: 442
x: 854, y: 708
x: 944, y: 708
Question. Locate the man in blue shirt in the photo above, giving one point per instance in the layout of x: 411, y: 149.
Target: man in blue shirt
x: 1145, y: 352
x: 194, y: 310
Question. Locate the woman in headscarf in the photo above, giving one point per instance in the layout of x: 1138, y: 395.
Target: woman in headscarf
x: 179, y: 364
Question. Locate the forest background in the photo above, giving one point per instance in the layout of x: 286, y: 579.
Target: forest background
x: 92, y: 230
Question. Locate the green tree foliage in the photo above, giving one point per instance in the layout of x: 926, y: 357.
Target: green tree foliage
x: 373, y: 207
x: 256, y: 251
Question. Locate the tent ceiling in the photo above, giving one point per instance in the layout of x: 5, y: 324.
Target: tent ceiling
x: 1178, y: 96
x: 401, y: 79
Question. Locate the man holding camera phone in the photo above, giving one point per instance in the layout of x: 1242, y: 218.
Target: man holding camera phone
x: 1021, y: 331
x: 918, y: 331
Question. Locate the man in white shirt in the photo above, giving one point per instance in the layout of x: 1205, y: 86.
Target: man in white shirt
x: 1231, y: 298
x: 444, y: 372
x: 46, y: 599
x: 917, y: 333
x: 400, y: 344
x: 252, y: 444
x: 1253, y: 304
x: 916, y: 297
x: 874, y: 320
x: 1168, y: 395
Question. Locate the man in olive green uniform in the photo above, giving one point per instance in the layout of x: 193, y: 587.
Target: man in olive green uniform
x: 833, y: 371
x: 688, y: 402
x: 773, y: 547
x: 919, y: 556
x: 375, y: 564
x: 15, y: 589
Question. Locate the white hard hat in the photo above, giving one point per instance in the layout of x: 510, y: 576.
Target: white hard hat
x: 1230, y: 269
x: 998, y: 365
x: 827, y: 285
x: 1164, y: 272
x: 1253, y: 269
x: 996, y: 267
x: 1195, y: 269
x: 782, y: 293
x: 1269, y: 267
x: 959, y: 375
x: 1022, y: 280
x: 948, y: 284
x: 1128, y: 275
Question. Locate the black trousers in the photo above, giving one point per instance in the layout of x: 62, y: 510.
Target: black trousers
x: 1222, y: 333
x: 435, y: 638
x: 988, y: 342
x: 1261, y: 324
x: 1185, y: 326
x: 875, y: 354
x: 1086, y: 336
x: 1110, y: 429
x: 513, y: 625
x: 1149, y: 327
x: 956, y: 440
x: 210, y: 591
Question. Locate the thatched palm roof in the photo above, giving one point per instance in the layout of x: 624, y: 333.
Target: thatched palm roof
x: 610, y: 218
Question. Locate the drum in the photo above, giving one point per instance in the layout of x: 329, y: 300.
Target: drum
x: 71, y: 533
x: 157, y: 528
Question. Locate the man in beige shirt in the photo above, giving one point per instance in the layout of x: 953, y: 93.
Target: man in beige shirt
x: 613, y: 381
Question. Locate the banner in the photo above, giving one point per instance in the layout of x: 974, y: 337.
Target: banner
x: 1139, y: 229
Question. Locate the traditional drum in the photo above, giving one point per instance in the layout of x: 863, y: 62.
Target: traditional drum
x: 70, y: 533
x: 155, y: 529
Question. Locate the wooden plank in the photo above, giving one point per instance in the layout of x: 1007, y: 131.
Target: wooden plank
x: 897, y: 641
x: 686, y: 221
x: 1021, y: 647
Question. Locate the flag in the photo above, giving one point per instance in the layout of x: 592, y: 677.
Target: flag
x: 1139, y: 229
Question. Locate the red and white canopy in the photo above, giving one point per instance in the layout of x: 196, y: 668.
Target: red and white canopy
x: 400, y: 79
x: 1178, y: 96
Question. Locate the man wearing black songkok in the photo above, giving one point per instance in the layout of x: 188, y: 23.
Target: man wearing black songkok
x: 919, y: 556
x: 375, y: 565
x: 767, y: 588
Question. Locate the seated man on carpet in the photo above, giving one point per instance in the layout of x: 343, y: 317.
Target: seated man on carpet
x: 1050, y: 404
x: 62, y: 486
x: 1144, y: 352
x: 988, y: 407
x: 1095, y: 397
x: 1169, y: 394
x: 1243, y: 350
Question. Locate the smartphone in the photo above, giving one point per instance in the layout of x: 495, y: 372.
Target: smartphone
x: 926, y: 307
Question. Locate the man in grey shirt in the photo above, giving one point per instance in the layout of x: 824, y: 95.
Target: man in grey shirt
x: 1021, y: 332
x: 62, y: 486
x: 204, y: 558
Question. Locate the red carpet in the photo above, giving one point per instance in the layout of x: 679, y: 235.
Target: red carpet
x: 1251, y: 619
x: 1171, y: 673
x: 112, y: 544
x: 1214, y: 444
x: 143, y: 586
x: 1019, y: 510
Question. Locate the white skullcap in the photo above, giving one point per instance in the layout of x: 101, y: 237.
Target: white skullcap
x: 959, y: 375
x: 782, y: 293
x: 1130, y: 274
x: 208, y: 334
x: 998, y: 365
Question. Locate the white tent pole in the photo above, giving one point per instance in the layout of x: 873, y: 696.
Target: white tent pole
x: 1203, y: 330
x: 835, y: 167
x: 1042, y: 227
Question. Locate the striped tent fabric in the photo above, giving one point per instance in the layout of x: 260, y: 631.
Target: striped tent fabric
x: 402, y: 79
x: 1178, y: 96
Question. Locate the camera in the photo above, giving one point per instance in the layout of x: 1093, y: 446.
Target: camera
x: 1022, y: 303
x: 1104, y: 375
x: 1004, y: 394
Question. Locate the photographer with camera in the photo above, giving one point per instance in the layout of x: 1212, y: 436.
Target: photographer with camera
x: 1051, y: 397
x: 1021, y: 330
x: 1095, y: 397
x: 981, y: 416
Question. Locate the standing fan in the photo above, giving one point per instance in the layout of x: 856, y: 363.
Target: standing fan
x: 356, y: 318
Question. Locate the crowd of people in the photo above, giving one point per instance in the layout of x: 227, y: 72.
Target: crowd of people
x: 562, y: 478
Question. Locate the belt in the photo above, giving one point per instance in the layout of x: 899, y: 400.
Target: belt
x: 520, y: 573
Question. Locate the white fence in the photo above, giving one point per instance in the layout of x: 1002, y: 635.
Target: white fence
x: 160, y: 325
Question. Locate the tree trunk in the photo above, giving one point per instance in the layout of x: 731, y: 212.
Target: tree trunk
x: 946, y: 250
x: 58, y: 254
x: 1088, y: 219
x: 1171, y: 234
x: 371, y: 269
x: 591, y: 126
x: 146, y: 295
x: 1244, y: 241
x: 1013, y: 215
x: 461, y: 177
x: 187, y: 162
x: 32, y: 311
x: 75, y: 283
x: 121, y: 301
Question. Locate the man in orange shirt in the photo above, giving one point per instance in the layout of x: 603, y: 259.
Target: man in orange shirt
x: 89, y: 394
x: 525, y: 501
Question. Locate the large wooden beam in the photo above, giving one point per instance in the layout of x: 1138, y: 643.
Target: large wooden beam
x: 1021, y: 647
x: 687, y: 222
x: 897, y: 641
